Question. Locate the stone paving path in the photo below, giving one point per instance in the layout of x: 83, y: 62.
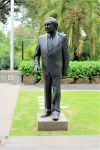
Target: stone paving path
x: 8, y: 96
x: 52, y: 143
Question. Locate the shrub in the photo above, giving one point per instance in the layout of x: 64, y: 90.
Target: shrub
x: 5, y: 62
x: 26, y: 68
x: 16, y: 63
x: 82, y: 69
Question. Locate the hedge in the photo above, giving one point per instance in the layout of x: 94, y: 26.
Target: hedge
x: 26, y: 68
x: 84, y: 69
x: 77, y: 69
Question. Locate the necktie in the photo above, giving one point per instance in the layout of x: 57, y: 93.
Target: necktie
x: 49, y: 44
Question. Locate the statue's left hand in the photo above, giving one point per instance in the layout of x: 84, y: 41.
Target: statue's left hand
x: 36, y: 69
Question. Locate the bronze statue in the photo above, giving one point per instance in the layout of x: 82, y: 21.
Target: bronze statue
x: 53, y: 49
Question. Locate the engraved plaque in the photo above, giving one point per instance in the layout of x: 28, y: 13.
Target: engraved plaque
x: 47, y: 124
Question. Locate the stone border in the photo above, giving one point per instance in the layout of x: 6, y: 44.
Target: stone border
x: 8, y: 76
x: 32, y: 80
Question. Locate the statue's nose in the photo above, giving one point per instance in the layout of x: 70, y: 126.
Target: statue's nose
x: 46, y: 25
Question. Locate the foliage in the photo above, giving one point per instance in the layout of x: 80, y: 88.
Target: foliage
x: 84, y: 69
x: 24, y: 36
x: 23, y: 32
x: 79, y: 19
x: 74, y: 17
x: 4, y: 43
x: 83, y: 113
x: 5, y: 62
x: 26, y: 68
x: 4, y: 53
x: 17, y: 61
x: 77, y: 69
x: 5, y: 9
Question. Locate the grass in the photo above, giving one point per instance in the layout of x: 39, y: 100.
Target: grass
x: 83, y: 114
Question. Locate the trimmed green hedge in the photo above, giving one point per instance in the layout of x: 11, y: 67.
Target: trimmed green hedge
x: 84, y: 69
x: 77, y: 69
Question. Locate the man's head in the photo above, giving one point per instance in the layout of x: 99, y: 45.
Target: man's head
x: 51, y: 25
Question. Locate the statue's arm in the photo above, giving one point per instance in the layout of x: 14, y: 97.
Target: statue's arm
x: 65, y: 54
x: 37, y: 58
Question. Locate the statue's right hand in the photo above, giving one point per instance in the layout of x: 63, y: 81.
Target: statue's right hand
x: 36, y: 69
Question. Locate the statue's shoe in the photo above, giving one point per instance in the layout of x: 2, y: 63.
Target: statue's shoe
x: 46, y: 114
x: 55, y: 115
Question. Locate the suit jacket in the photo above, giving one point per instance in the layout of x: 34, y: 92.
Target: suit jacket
x: 56, y: 61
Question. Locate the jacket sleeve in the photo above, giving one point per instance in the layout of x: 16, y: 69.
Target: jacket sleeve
x: 65, y: 56
x: 37, y: 56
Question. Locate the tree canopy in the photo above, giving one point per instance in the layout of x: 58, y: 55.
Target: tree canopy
x: 5, y: 9
x: 74, y: 18
x: 79, y: 19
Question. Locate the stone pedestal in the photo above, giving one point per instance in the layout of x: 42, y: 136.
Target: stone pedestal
x: 7, y: 76
x: 47, y: 124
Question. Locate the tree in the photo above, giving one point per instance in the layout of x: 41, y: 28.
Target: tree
x: 5, y: 9
x: 92, y: 24
x: 73, y: 16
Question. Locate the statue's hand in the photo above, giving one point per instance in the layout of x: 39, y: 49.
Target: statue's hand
x: 36, y: 69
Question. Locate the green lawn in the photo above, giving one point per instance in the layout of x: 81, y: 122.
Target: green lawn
x: 83, y: 113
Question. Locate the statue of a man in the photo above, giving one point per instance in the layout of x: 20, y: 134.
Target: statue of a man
x: 53, y: 49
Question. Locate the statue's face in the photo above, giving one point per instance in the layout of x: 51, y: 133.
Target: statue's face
x: 50, y: 27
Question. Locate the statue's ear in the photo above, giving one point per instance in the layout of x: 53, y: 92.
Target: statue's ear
x: 57, y: 25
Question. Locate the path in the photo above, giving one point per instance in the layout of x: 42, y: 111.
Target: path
x: 52, y: 143
x: 8, y: 96
x: 64, y: 87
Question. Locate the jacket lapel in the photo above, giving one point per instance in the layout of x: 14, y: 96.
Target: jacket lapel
x: 56, y: 44
x: 45, y: 42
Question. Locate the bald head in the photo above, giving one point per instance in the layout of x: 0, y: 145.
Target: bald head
x: 51, y: 25
x: 51, y: 20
